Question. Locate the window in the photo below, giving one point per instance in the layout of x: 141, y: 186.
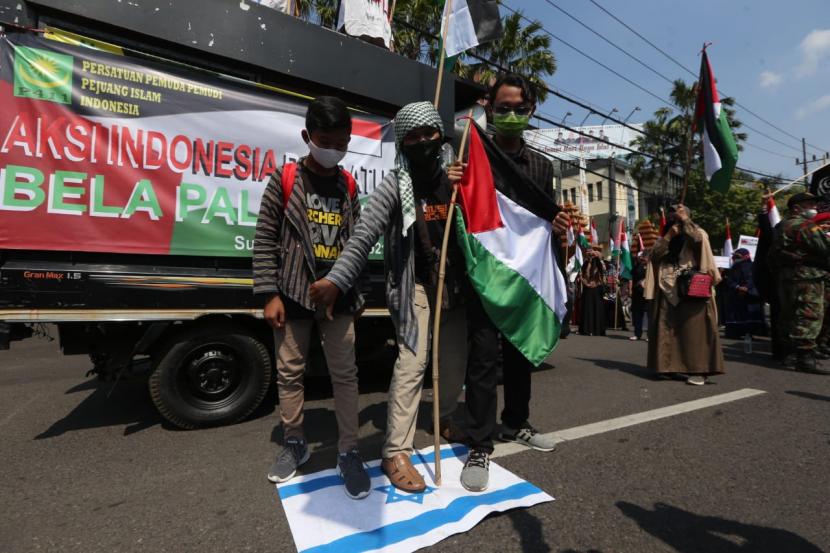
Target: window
x: 590, y: 192
x: 599, y: 191
x: 573, y: 196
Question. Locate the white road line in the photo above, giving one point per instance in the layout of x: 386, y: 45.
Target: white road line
x: 19, y: 409
x: 504, y: 449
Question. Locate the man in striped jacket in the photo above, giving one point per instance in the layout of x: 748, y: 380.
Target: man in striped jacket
x: 308, y: 212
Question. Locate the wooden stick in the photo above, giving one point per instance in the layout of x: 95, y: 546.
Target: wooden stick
x: 443, y: 55
x: 436, y: 317
x: 802, y: 177
x: 392, y: 10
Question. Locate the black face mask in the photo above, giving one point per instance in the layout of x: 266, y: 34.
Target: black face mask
x: 423, y: 155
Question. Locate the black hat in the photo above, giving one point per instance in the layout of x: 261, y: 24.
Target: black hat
x: 800, y: 198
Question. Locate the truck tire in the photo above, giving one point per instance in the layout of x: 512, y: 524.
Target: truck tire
x: 209, y: 376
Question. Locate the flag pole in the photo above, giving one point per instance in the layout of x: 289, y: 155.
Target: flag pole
x: 436, y: 317
x: 443, y: 56
x: 568, y: 250
x: 617, y: 283
x: 802, y: 177
x: 688, y: 164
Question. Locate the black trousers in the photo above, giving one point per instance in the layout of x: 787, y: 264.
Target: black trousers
x: 637, y: 316
x: 482, y: 378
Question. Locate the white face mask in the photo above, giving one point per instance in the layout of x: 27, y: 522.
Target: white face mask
x: 326, y: 157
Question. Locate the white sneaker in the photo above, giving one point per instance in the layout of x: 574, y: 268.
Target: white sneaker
x: 696, y: 380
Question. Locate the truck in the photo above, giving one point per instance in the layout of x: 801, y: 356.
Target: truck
x: 136, y: 140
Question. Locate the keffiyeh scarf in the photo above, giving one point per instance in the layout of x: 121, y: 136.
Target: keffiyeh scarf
x: 411, y: 116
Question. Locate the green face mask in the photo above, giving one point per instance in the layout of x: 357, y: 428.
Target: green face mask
x: 510, y: 124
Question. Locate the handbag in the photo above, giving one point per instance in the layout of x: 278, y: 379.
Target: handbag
x: 694, y: 285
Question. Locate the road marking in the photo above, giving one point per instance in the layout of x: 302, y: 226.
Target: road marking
x: 20, y: 408
x: 504, y: 449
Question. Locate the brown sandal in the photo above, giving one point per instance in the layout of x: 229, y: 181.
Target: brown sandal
x: 402, y: 474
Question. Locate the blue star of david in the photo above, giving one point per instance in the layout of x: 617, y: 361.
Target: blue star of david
x: 393, y: 495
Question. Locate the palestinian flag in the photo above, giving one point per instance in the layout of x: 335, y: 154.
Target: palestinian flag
x: 614, y: 238
x: 727, y: 244
x: 505, y: 233
x: 625, y: 257
x: 641, y: 249
x: 579, y: 242
x: 594, y: 233
x: 772, y: 212
x: 469, y: 23
x: 720, y: 153
x: 662, y: 222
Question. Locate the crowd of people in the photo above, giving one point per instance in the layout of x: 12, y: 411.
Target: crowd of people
x: 672, y: 289
x: 302, y: 285
x: 782, y: 292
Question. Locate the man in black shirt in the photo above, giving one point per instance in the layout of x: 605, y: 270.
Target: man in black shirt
x: 511, y: 103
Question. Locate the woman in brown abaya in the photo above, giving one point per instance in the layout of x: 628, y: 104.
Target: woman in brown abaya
x: 683, y: 337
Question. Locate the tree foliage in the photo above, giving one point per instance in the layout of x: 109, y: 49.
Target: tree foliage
x: 522, y: 49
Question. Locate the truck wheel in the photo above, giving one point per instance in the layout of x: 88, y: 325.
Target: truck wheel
x: 210, y: 376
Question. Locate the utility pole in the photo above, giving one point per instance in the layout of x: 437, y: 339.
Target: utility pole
x: 804, y: 161
x: 612, y: 189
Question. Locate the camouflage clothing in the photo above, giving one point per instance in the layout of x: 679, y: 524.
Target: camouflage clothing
x: 823, y: 340
x: 804, y: 302
x: 801, y: 246
x: 800, y: 251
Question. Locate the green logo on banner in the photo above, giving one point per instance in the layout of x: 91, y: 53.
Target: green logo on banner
x: 42, y: 75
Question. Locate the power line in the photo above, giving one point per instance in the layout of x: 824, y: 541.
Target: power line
x: 647, y: 66
x: 692, y: 73
x: 767, y: 151
x: 635, y: 58
x: 667, y: 102
x: 593, y: 59
x: 565, y: 97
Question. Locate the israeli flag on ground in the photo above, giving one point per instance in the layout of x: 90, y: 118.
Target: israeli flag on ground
x: 323, y: 519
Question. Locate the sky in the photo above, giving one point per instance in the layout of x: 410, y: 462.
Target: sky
x: 773, y: 57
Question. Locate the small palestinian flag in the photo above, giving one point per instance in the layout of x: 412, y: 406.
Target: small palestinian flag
x: 772, y: 212
x: 727, y: 244
x: 469, y: 23
x: 720, y: 153
x: 594, y: 234
x: 662, y: 222
x: 625, y: 256
x: 506, y: 237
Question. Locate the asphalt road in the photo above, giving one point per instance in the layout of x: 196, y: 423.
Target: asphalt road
x: 89, y: 466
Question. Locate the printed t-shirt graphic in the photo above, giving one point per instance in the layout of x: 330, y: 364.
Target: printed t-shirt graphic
x: 324, y: 206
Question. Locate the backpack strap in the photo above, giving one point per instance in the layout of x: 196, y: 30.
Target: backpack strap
x: 289, y: 174
x: 351, y: 185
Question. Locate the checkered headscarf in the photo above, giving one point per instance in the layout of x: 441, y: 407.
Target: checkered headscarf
x: 411, y: 116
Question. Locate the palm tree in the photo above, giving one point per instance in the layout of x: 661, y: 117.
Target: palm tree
x: 521, y: 49
x: 416, y: 26
x: 325, y: 10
